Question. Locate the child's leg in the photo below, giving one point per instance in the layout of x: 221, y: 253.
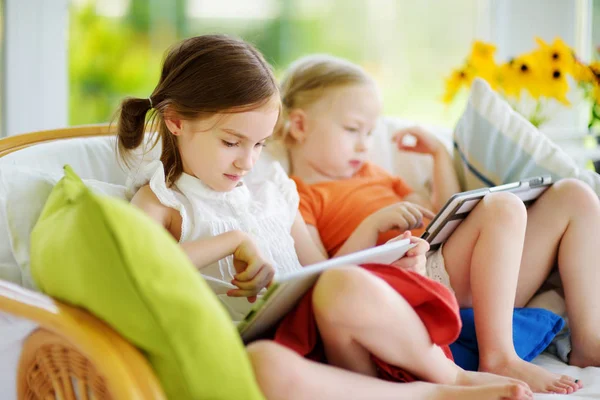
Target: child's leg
x: 564, y: 226
x: 283, y: 374
x: 482, y: 258
x: 360, y: 315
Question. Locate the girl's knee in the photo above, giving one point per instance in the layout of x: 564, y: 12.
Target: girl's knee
x: 268, y: 353
x: 274, y: 367
x: 504, y: 207
x: 261, y: 353
x: 575, y: 193
x: 336, y: 289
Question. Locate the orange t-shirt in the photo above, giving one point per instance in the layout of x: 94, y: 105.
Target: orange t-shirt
x: 336, y: 208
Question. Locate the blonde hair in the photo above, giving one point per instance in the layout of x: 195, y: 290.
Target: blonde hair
x: 308, y: 79
x: 201, y: 76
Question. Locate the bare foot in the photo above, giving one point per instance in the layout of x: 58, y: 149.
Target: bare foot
x: 470, y: 378
x: 538, y: 379
x: 507, y: 391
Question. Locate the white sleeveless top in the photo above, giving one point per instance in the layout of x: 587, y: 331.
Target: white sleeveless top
x: 263, y: 205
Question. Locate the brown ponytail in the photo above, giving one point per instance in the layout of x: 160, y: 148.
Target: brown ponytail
x: 131, y: 123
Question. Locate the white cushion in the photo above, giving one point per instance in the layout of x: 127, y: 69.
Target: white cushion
x: 23, y: 193
x: 9, y: 270
x: 414, y: 168
x: 91, y: 157
x: 496, y: 145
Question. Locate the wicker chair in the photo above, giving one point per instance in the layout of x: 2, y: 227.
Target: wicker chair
x: 72, y: 354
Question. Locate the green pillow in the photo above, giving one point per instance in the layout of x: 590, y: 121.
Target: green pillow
x: 103, y: 254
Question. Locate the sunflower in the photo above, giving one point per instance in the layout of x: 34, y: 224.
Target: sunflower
x: 543, y: 73
x: 557, y: 56
x: 595, y: 70
x: 554, y: 85
x: 481, y: 61
x: 584, y: 74
x: 521, y: 73
x: 481, y: 54
x: 457, y: 79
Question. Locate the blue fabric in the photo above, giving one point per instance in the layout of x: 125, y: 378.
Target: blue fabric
x: 533, y: 330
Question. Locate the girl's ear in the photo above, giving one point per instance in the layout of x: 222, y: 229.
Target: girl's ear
x: 173, y: 122
x: 174, y: 125
x: 297, y: 118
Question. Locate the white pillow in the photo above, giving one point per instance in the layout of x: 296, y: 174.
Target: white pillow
x: 494, y: 145
x: 9, y: 270
x: 91, y: 157
x: 414, y: 168
x: 23, y: 193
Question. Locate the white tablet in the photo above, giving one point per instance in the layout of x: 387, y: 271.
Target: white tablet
x: 459, y: 205
x: 285, y: 293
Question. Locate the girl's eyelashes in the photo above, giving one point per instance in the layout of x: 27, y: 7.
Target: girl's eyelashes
x: 351, y: 129
x: 236, y: 144
x: 229, y: 144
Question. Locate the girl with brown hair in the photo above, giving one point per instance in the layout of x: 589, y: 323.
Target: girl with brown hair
x: 214, y: 108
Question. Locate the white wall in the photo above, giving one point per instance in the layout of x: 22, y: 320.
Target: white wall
x: 35, y: 65
x: 517, y: 22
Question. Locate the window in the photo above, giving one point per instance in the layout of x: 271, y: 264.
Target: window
x: 115, y: 46
x: 2, y: 85
x: 595, y: 41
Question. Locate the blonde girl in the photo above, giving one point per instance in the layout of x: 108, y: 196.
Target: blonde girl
x: 496, y: 260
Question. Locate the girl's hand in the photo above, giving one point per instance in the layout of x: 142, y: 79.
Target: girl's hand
x: 426, y: 143
x: 403, y: 216
x: 414, y: 259
x: 253, y: 271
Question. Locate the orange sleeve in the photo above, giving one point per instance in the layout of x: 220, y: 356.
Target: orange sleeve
x: 400, y: 187
x: 309, y: 202
x: 370, y: 170
x: 374, y: 171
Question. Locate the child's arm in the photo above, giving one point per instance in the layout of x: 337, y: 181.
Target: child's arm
x: 403, y: 216
x: 207, y: 251
x: 307, y: 242
x: 253, y: 272
x: 202, y: 252
x: 445, y: 182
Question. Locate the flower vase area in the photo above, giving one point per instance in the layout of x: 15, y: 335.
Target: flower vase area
x: 543, y: 84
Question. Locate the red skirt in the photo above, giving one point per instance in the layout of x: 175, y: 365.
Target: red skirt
x: 433, y: 302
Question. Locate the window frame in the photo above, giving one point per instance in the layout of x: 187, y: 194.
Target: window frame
x: 35, y: 86
x: 2, y: 70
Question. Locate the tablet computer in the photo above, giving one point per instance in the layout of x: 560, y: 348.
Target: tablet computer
x: 457, y: 208
x: 284, y: 293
